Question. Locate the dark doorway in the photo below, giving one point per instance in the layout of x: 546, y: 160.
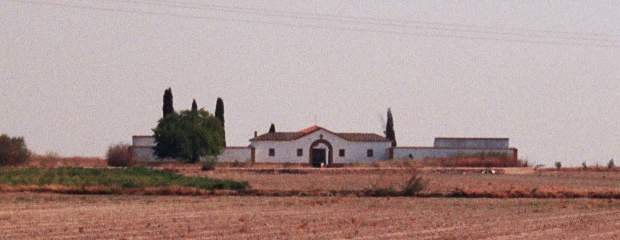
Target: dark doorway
x: 319, y: 157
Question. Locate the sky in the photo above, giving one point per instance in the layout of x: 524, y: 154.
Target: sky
x: 79, y: 75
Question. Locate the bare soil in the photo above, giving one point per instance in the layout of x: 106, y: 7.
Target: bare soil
x: 511, y: 183
x: 56, y: 216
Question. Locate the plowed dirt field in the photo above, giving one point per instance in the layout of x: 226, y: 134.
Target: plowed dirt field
x: 342, y: 180
x: 55, y: 216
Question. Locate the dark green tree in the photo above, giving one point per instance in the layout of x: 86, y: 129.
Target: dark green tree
x: 168, y: 107
x: 219, y: 114
x: 188, y: 136
x: 272, y: 128
x: 194, y: 106
x: 389, y: 128
x: 13, y: 150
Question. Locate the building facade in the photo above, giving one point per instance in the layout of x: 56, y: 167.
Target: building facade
x: 318, y: 146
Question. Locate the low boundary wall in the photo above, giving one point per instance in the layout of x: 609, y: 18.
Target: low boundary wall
x: 433, y: 152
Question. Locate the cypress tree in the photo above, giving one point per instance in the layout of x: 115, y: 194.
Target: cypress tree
x: 389, y: 128
x: 194, y: 106
x: 219, y: 114
x: 272, y: 128
x: 168, y: 107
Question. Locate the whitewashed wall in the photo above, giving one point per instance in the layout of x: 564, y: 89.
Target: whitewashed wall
x: 143, y: 141
x: 286, y: 151
x: 139, y: 153
x: 494, y: 143
x: 235, y: 154
x: 142, y: 150
x: 427, y: 152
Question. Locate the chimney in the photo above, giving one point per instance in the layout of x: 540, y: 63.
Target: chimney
x: 255, y: 134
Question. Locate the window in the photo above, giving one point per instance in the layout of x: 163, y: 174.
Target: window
x: 300, y: 152
x: 272, y: 152
x: 369, y: 153
x: 341, y: 153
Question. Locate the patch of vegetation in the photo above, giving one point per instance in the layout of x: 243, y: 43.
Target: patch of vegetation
x: 189, y: 135
x: 382, y: 192
x: 414, y: 185
x: 558, y: 165
x: 119, y: 155
x: 209, y: 164
x: 13, y: 150
x: 115, y: 178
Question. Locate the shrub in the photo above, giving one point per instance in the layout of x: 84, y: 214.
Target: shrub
x: 558, y: 165
x: 209, y: 164
x: 523, y: 162
x: 584, y: 165
x: 382, y: 192
x: 13, y: 150
x: 414, y: 185
x: 119, y: 155
x: 611, y: 164
x: 237, y: 164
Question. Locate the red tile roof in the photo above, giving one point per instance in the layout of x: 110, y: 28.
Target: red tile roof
x: 289, y: 136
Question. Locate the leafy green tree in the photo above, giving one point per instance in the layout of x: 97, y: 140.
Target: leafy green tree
x: 219, y: 114
x: 168, y: 107
x: 169, y: 136
x: 389, y: 128
x: 189, y: 136
x: 272, y: 128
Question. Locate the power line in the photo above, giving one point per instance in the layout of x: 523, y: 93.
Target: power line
x: 402, y: 21
x: 311, y: 26
x: 320, y: 17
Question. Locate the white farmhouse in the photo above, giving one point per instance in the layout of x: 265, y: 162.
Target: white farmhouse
x: 318, y: 146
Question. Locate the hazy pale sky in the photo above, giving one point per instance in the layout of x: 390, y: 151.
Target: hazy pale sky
x: 78, y: 75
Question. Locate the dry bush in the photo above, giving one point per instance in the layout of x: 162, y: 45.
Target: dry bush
x: 119, y: 155
x: 209, y: 164
x: 238, y: 164
x: 412, y: 187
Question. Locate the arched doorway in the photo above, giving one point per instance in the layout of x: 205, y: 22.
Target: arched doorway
x: 320, y: 156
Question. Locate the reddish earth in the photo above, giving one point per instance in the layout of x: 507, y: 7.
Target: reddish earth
x: 54, y: 216
x: 441, y: 181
